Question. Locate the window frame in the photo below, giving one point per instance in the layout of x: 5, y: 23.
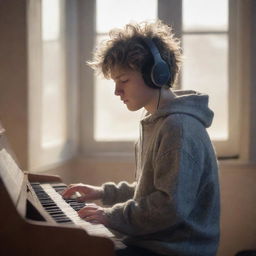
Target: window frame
x: 230, y: 149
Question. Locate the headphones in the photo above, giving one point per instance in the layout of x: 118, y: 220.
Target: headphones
x: 156, y: 74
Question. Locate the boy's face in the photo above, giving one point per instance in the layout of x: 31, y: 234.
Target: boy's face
x: 133, y: 91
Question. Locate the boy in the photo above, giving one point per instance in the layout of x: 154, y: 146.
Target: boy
x: 173, y: 207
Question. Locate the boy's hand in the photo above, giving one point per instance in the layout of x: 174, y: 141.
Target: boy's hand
x: 94, y: 214
x: 87, y: 192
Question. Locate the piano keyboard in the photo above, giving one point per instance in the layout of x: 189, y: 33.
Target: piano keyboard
x: 65, y: 210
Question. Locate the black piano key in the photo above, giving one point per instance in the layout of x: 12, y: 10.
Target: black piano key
x: 70, y: 200
x: 55, y: 210
x: 57, y: 215
x: 59, y: 188
x: 63, y: 220
x: 49, y: 205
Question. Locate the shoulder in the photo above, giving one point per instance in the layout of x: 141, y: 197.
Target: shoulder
x: 181, y: 125
x: 181, y: 132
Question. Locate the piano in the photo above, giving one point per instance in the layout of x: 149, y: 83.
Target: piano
x: 36, y: 220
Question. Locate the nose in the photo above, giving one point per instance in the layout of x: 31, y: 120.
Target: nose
x: 118, y: 90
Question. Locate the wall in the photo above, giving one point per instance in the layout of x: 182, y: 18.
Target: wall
x: 13, y: 75
x: 238, y: 203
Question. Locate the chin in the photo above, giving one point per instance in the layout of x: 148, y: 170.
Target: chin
x: 133, y: 108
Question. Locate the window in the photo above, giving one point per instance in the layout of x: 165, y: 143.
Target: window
x: 205, y: 45
x: 53, y: 75
x: 51, y: 124
x: 207, y: 68
x: 60, y: 112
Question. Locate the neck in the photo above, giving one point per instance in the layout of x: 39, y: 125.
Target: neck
x: 166, y: 95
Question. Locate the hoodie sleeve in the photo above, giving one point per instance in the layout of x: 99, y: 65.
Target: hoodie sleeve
x: 113, y: 193
x: 176, y: 183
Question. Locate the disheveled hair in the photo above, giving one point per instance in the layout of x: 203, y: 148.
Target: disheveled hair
x: 125, y: 49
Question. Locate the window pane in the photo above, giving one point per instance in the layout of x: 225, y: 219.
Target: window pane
x: 206, y: 15
x: 116, y: 13
x: 53, y: 75
x: 50, y: 19
x: 112, y: 120
x: 206, y: 69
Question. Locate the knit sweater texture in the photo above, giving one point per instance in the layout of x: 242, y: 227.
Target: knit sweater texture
x: 173, y: 207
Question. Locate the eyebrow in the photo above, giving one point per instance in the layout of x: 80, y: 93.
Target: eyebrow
x: 117, y: 77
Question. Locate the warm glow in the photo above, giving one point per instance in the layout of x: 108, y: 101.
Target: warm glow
x: 53, y: 75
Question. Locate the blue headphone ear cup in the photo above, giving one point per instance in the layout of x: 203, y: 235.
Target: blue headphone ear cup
x: 160, y: 74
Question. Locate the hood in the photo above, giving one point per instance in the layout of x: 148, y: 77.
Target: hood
x: 187, y: 102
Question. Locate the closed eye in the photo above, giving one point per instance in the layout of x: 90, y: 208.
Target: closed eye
x: 124, y: 81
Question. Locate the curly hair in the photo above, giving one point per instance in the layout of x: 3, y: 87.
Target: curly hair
x: 125, y: 49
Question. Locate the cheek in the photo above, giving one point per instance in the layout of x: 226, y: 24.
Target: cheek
x: 137, y: 101
x: 139, y: 90
x: 143, y: 94
x: 138, y: 93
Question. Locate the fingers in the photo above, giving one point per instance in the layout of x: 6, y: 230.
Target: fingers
x: 87, y: 192
x: 94, y: 219
x: 82, y: 199
x: 88, y: 210
x: 71, y: 189
x: 93, y: 213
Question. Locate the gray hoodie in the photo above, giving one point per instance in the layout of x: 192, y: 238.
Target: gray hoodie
x: 173, y: 207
